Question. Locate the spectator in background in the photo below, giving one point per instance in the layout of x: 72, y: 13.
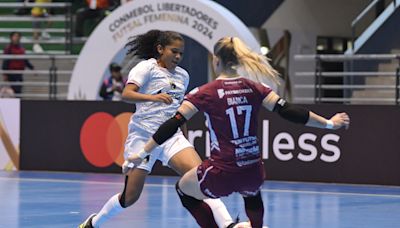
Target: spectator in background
x: 39, y: 13
x: 94, y: 9
x: 112, y: 87
x: 15, y: 48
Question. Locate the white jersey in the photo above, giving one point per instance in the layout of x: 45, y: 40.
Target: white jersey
x: 153, y: 79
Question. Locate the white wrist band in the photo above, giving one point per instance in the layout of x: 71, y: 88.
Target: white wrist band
x: 130, y: 165
x: 142, y: 154
x: 329, y: 124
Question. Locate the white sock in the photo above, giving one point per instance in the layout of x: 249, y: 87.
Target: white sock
x: 221, y: 214
x: 110, y: 209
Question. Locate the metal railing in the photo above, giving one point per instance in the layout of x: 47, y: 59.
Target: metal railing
x: 52, y: 72
x: 318, y: 74
x: 66, y: 18
x: 363, y: 14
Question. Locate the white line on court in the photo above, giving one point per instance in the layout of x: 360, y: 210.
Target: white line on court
x: 173, y: 185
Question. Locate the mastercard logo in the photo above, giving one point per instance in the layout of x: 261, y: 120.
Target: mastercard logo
x: 102, y: 138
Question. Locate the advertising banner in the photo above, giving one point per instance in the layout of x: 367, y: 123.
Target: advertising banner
x: 89, y: 136
x: 54, y: 131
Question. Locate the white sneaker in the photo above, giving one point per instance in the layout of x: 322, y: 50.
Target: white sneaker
x: 245, y: 225
x: 242, y: 225
x: 37, y: 48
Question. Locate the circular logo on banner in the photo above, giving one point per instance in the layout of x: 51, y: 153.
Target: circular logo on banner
x: 102, y: 138
x: 202, y: 20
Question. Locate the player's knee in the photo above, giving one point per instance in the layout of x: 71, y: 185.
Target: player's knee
x: 187, y: 201
x: 253, y: 202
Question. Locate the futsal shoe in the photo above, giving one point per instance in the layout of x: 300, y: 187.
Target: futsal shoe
x: 88, y: 222
x: 242, y: 225
x: 245, y: 225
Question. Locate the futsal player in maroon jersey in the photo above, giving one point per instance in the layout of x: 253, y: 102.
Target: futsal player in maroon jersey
x: 231, y: 104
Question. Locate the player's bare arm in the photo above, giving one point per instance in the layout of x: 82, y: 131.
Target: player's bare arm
x: 298, y: 114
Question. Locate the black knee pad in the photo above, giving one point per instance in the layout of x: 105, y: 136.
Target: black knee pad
x: 122, y: 198
x: 253, y: 202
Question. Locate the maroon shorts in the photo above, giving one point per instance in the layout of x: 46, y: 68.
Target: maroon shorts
x: 216, y: 183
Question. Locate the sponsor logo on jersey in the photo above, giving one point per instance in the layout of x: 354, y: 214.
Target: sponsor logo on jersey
x: 221, y: 93
x: 232, y: 82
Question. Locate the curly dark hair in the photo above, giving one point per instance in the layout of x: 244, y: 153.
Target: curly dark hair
x: 145, y: 45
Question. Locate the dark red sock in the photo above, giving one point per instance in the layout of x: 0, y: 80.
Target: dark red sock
x: 255, y: 210
x: 198, y: 208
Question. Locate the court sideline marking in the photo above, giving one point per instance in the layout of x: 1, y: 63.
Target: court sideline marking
x: 173, y: 186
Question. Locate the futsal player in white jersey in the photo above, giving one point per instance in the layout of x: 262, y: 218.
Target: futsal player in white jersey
x: 157, y: 85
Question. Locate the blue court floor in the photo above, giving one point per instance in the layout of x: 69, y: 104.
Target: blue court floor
x: 49, y: 199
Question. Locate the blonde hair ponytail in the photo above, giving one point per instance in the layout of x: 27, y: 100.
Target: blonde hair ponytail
x: 234, y: 51
x: 254, y: 63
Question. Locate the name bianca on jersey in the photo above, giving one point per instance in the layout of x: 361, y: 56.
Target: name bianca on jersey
x: 237, y: 100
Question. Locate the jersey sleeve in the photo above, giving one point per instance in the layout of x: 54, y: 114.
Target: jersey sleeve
x: 198, y: 97
x: 262, y: 89
x: 139, y: 74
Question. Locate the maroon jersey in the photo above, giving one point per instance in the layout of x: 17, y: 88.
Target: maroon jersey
x: 231, y: 109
